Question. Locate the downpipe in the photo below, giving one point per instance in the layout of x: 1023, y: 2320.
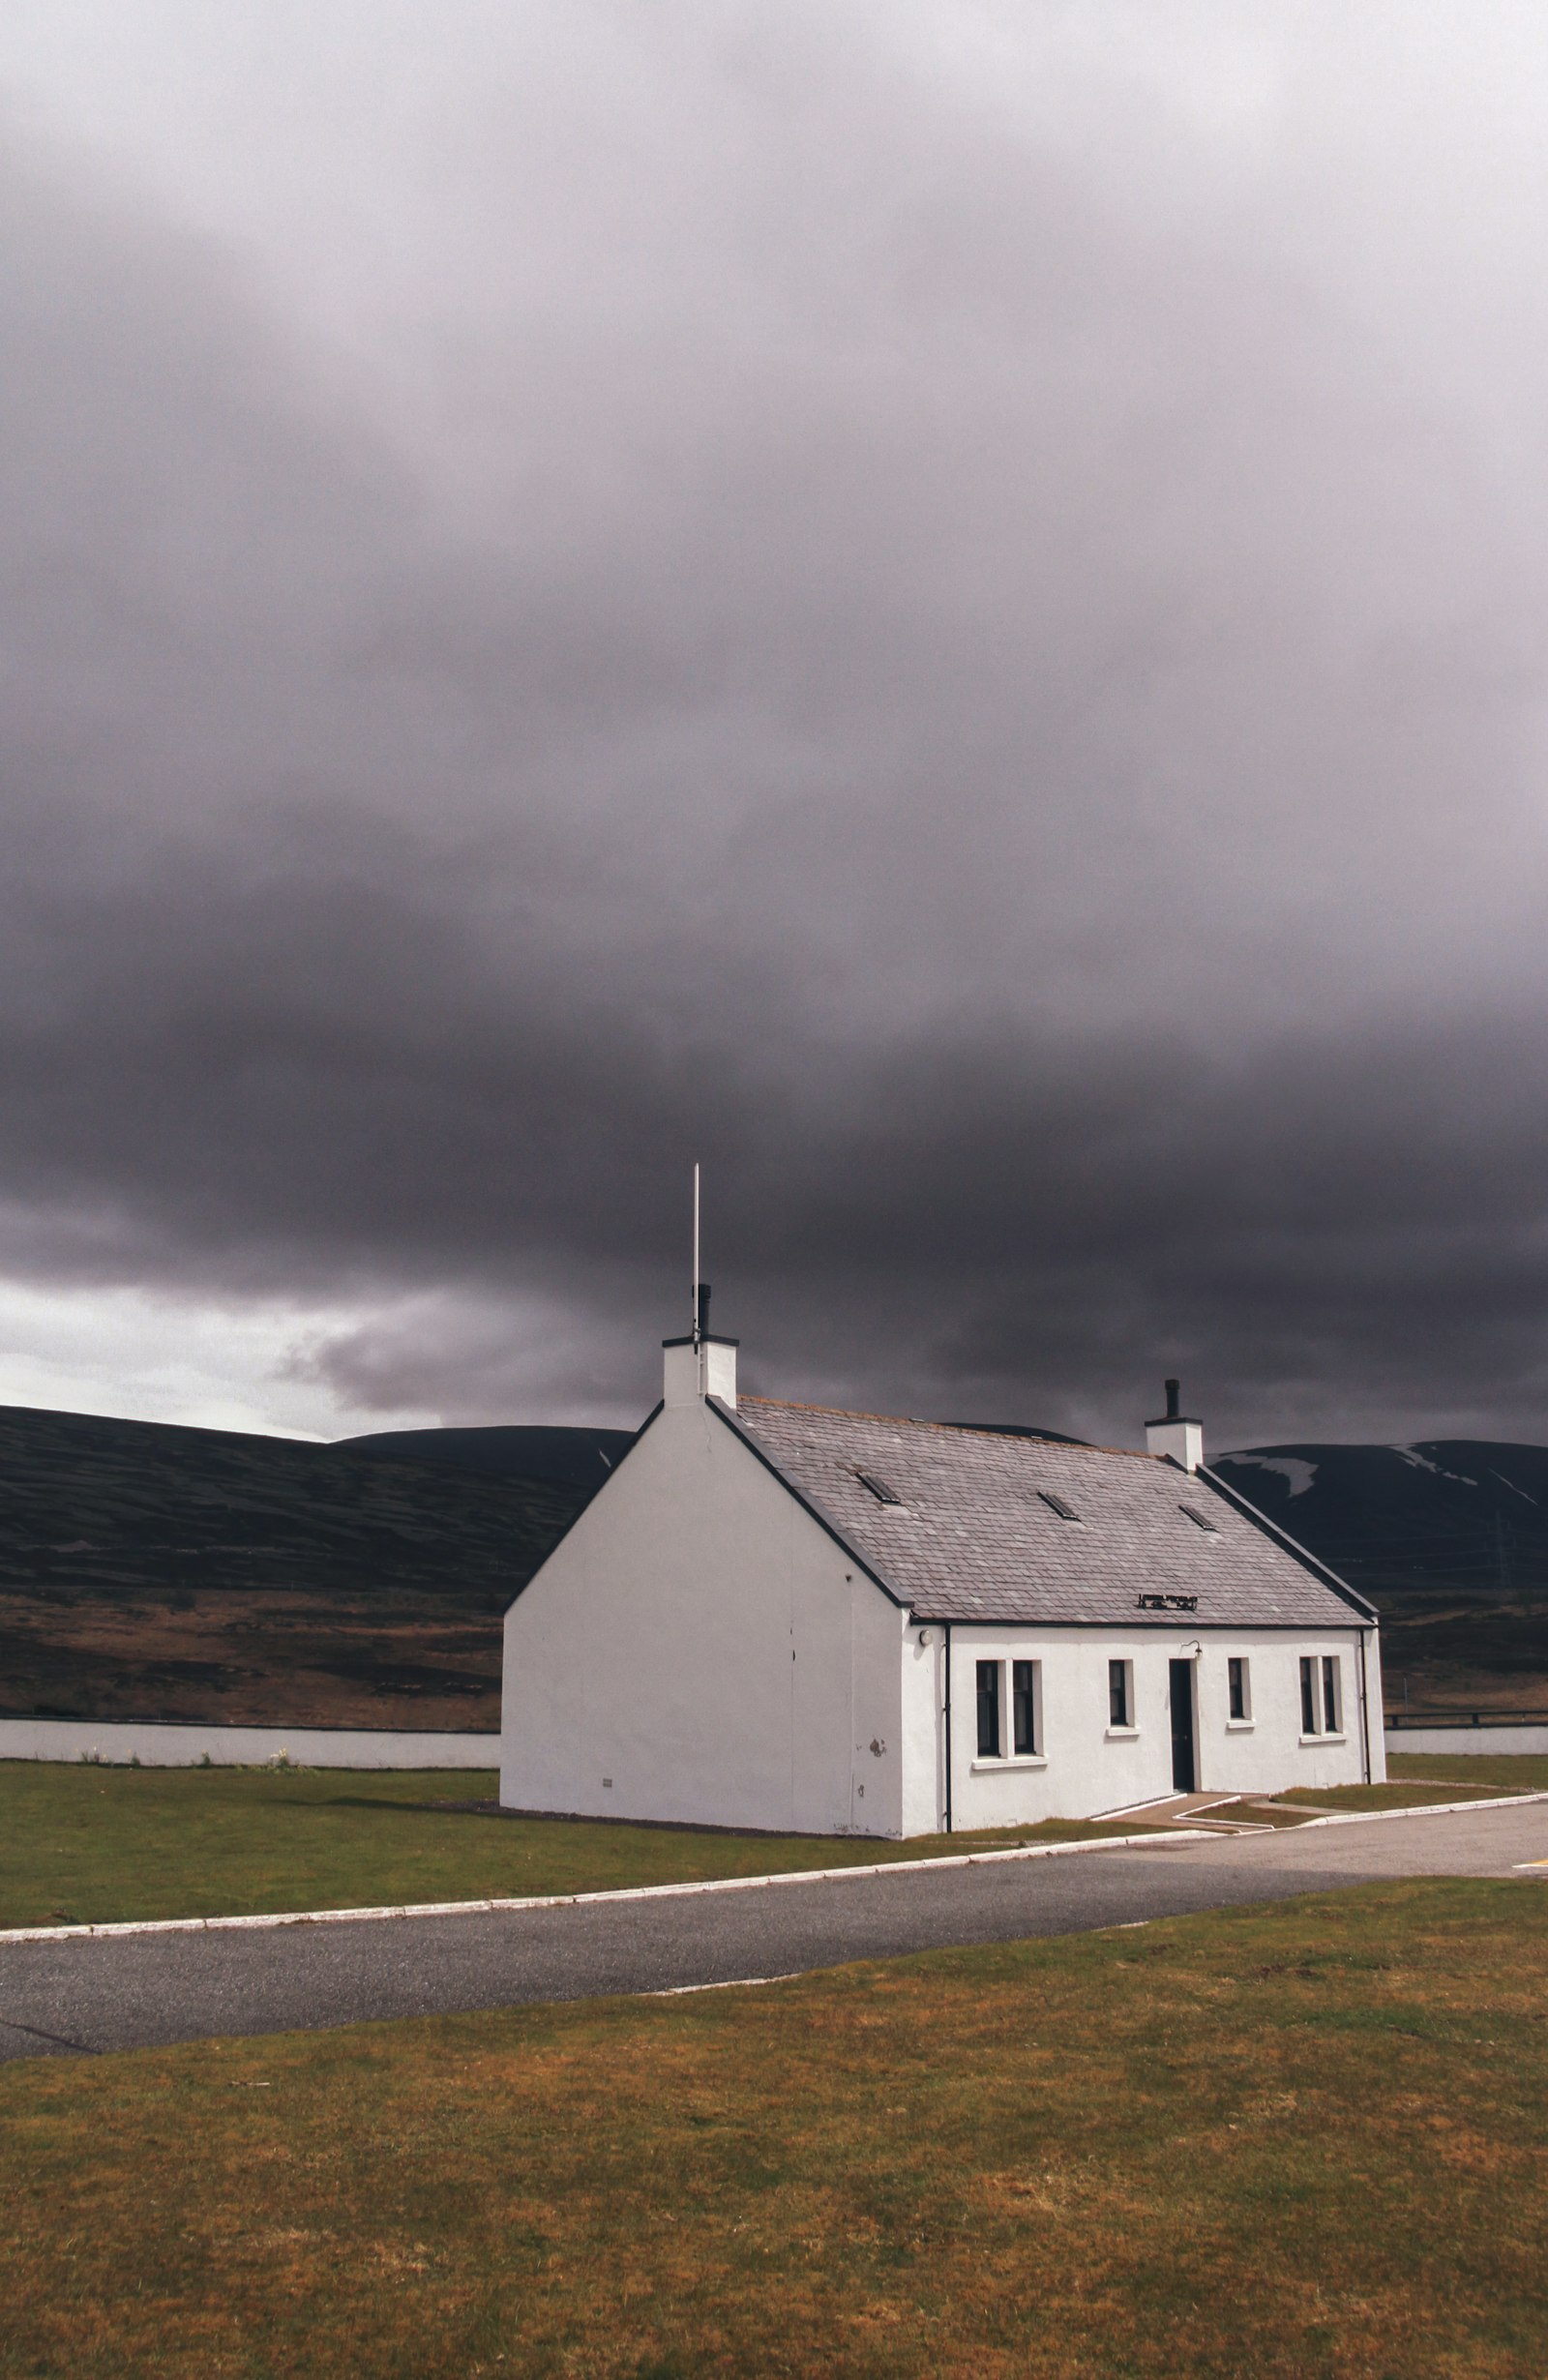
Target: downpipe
x: 948, y: 1628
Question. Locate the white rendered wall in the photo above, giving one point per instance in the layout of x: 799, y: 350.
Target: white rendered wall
x: 700, y: 1641
x: 1085, y: 1768
x: 924, y: 1772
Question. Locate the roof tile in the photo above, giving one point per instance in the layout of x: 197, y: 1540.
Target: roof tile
x: 974, y: 1539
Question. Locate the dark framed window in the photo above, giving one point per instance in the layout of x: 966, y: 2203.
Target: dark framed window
x: 1330, y: 1711
x: 988, y: 1710
x: 1308, y: 1696
x: 1024, y: 1706
x: 1117, y: 1694
x: 1237, y: 1686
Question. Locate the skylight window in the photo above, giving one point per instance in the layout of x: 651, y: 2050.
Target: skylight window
x: 879, y: 1489
x: 1056, y: 1503
x: 1199, y: 1519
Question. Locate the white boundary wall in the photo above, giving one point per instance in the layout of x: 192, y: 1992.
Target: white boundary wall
x: 1467, y: 1740
x: 185, y: 1746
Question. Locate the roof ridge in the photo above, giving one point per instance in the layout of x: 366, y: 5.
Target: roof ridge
x: 957, y: 1429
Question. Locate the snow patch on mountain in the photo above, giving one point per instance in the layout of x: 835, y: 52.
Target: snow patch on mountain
x: 1422, y: 1461
x: 1292, y: 1467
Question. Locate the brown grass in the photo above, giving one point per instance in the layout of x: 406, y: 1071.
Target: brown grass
x: 1304, y: 2142
x: 252, y: 1658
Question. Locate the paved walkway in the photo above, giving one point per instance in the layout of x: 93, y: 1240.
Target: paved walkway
x: 134, y: 1991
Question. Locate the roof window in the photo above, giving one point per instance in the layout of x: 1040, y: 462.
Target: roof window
x: 1199, y: 1519
x: 1056, y: 1503
x: 879, y: 1489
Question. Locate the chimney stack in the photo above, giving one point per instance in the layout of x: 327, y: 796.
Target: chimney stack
x: 699, y: 1366
x: 1175, y: 1434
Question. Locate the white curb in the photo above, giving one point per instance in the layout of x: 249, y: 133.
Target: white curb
x: 572, y: 1900
x: 1429, y: 1809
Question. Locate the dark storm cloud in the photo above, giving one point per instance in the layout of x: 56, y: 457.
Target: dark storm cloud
x: 977, y: 702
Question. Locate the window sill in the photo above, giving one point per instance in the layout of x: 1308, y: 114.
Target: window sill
x: 1241, y: 1727
x: 1122, y: 1734
x: 1340, y: 1737
x: 987, y: 1763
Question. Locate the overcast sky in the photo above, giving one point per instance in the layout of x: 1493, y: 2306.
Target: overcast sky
x: 939, y: 602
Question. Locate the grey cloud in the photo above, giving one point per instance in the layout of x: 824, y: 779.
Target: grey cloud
x: 975, y: 699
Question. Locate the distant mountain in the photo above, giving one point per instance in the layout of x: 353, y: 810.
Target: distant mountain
x: 1022, y: 1429
x: 150, y: 1570
x: 156, y: 1570
x: 147, y: 1508
x: 1449, y: 1537
x: 1463, y: 1515
x: 570, y: 1457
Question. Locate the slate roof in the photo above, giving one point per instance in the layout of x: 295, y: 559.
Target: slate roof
x: 972, y: 1537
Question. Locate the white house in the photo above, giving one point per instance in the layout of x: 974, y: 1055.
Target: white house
x: 778, y: 1616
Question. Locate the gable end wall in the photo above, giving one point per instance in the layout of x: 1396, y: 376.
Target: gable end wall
x: 700, y: 1640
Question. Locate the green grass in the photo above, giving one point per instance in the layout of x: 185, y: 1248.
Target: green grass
x: 1400, y: 1795
x: 1298, y: 2142
x: 1503, y: 1773
x: 89, y: 1845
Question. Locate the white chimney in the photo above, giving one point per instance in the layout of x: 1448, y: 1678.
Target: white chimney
x: 699, y: 1366
x: 1175, y: 1434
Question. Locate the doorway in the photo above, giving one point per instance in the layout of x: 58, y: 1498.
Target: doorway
x: 1184, y: 1763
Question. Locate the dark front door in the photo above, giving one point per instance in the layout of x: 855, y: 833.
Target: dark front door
x: 1184, y: 1773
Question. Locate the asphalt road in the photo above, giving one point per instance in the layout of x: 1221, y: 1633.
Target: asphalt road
x: 135, y: 1991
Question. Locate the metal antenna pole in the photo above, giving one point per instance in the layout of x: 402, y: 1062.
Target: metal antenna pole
x: 696, y: 1256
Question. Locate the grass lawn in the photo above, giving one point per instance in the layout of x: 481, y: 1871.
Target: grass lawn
x: 89, y: 1845
x: 1401, y: 1794
x: 1298, y: 2142
x: 1503, y: 1772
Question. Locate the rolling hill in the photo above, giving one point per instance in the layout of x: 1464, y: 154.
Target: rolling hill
x: 148, y: 1570
x: 1449, y: 1537
x: 154, y: 1571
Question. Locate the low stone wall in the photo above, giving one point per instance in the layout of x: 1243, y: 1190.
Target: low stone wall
x: 166, y: 1745
x: 1487, y: 1737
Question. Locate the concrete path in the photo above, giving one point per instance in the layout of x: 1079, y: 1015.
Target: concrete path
x: 135, y: 1991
